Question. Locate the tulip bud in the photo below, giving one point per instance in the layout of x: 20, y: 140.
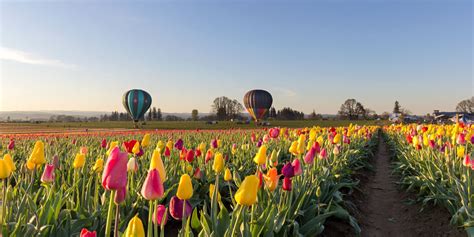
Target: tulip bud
x: 218, y: 164
x: 79, y: 161
x: 288, y: 170
x: 247, y: 192
x: 160, y: 215
x: 5, y: 170
x: 120, y: 195
x: 48, y: 174
x: 99, y: 165
x: 261, y: 156
x: 227, y: 175
x: 86, y: 233
x: 132, y: 165
x: 152, y: 188
x: 146, y: 140
x: 114, y: 176
x: 297, y: 170
x: 287, y: 184
x: 185, y: 187
x: 176, y: 208
x: 135, y: 228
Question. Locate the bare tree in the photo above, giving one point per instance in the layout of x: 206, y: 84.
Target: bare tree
x: 226, y: 108
x: 349, y: 109
x: 466, y: 106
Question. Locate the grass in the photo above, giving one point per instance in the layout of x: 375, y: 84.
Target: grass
x: 179, y: 125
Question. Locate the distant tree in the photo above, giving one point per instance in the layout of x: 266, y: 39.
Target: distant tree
x: 225, y: 108
x: 159, y: 116
x: 361, y: 111
x: 385, y: 115
x: 396, y: 108
x: 150, y: 116
x: 315, y: 116
x: 153, y: 113
x: 405, y: 112
x: 349, y: 109
x: 466, y: 106
x: 8, y: 119
x: 173, y: 118
x: 272, y: 113
x: 289, y: 114
x: 194, y: 115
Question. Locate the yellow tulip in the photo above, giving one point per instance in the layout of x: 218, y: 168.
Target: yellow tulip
x: 312, y: 134
x: 37, y: 156
x: 337, y: 139
x: 160, y: 146
x: 460, y: 151
x: 111, y: 147
x: 247, y: 193
x: 136, y: 148
x: 185, y: 187
x: 4, y: 169
x: 30, y: 165
x: 212, y: 187
x: 261, y: 156
x: 202, y: 146
x: 169, y: 144
x: 79, y: 161
x: 218, y: 164
x: 135, y: 228
x: 98, y: 166
x: 227, y: 175
x: 8, y: 158
x: 294, y: 148
x: 146, y: 140
x: 157, y: 163
x: 320, y: 140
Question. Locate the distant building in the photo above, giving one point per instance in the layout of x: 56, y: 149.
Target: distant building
x: 448, y: 117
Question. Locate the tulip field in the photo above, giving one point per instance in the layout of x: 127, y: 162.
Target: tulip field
x: 435, y: 162
x: 258, y: 182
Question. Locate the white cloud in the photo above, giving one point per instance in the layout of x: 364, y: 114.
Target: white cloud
x: 285, y: 92
x: 24, y: 57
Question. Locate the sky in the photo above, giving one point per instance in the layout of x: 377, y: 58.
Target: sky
x: 83, y: 55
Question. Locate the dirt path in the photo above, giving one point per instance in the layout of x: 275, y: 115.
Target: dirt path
x: 384, y: 209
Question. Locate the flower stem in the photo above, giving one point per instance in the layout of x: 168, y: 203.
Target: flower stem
x: 3, y: 205
x: 150, y: 216
x: 183, y: 220
x: 108, y: 225
x: 117, y: 218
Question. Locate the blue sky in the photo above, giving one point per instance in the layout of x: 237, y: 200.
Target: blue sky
x: 83, y: 55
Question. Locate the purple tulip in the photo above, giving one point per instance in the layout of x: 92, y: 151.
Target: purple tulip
x: 179, y: 144
x: 288, y: 170
x: 176, y: 208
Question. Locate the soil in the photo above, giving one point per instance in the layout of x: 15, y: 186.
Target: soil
x: 383, y: 209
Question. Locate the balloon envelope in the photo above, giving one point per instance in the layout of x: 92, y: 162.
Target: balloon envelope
x: 136, y: 102
x: 258, y: 102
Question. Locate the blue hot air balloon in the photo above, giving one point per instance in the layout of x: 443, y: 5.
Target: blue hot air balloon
x: 136, y: 102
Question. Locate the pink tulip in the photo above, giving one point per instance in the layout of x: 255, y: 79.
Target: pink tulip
x: 48, y: 174
x: 461, y: 139
x: 114, y: 176
x: 309, y: 157
x: 297, y: 167
x: 152, y: 188
x: 159, y: 214
x: 323, y: 154
x: 120, y: 195
x: 467, y: 160
x: 274, y: 132
x: 214, y: 143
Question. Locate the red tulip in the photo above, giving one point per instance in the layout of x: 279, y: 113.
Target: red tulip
x: 103, y: 144
x: 114, y: 176
x: 152, y: 188
x: 167, y: 152
x: 86, y: 233
x: 128, y: 145
x: 286, y: 184
x: 48, y: 174
x: 274, y: 132
x: 197, y: 173
x: 190, y: 155
x: 11, y: 145
x: 323, y: 154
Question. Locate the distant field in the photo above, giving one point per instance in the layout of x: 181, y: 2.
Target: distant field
x: 120, y: 125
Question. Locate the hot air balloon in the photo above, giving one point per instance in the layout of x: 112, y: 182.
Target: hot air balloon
x: 136, y: 102
x: 258, y: 102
